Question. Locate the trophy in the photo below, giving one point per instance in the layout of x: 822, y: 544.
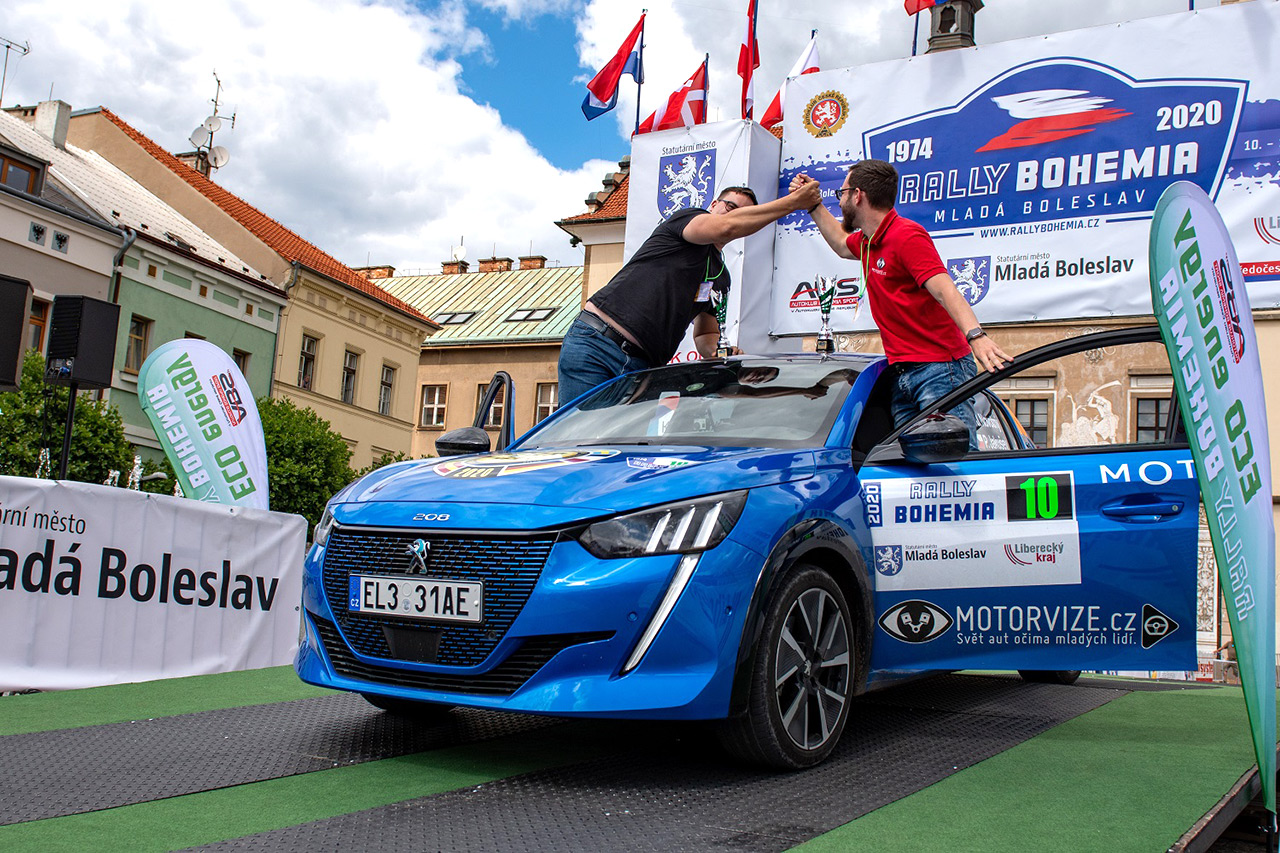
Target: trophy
x: 826, y: 343
x: 723, y: 347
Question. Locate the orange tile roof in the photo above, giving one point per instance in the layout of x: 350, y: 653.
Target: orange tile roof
x: 281, y: 240
x: 614, y: 207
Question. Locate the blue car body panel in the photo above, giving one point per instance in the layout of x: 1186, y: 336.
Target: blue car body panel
x: 561, y: 623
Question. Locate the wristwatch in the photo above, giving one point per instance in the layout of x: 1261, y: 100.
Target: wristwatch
x: 973, y: 334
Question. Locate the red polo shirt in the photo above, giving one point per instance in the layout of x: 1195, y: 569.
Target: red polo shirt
x: 896, y: 262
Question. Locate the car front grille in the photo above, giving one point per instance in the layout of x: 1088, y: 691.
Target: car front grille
x: 509, y: 569
x: 503, y: 680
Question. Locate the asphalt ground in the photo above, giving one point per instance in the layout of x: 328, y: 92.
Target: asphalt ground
x: 257, y: 760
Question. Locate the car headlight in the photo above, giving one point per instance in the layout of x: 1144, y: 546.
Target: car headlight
x: 685, y: 527
x: 323, y: 527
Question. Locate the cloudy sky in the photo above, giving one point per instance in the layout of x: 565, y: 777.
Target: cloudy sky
x: 386, y: 131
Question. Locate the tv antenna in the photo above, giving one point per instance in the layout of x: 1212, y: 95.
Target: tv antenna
x: 207, y: 154
x: 23, y: 50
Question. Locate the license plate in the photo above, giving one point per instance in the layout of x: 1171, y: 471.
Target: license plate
x: 418, y: 598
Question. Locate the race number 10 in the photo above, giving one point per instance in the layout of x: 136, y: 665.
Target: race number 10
x: 1039, y: 497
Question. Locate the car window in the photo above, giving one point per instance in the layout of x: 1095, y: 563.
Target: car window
x: 748, y: 403
x: 1118, y: 394
x: 1111, y: 389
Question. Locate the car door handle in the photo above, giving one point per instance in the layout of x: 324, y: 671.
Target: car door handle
x: 1143, y: 513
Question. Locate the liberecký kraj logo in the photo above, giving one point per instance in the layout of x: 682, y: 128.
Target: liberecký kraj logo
x: 686, y: 179
x: 972, y: 277
x: 1056, y: 139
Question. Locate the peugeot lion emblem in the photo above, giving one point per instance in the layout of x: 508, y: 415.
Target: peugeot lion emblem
x: 418, y: 551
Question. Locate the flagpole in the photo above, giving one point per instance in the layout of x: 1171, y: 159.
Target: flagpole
x: 706, y: 93
x: 915, y: 32
x: 640, y: 82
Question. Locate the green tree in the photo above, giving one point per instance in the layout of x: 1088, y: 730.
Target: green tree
x: 306, y: 460
x: 35, y: 416
x: 383, y: 460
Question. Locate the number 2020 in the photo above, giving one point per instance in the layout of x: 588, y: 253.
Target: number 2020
x: 1189, y: 115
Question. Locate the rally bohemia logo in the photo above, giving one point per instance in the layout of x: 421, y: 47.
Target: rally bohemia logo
x: 1059, y: 139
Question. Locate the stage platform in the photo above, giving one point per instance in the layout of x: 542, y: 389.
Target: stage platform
x: 966, y: 761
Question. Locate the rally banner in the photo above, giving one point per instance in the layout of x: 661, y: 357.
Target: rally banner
x: 1207, y: 326
x: 100, y: 585
x: 199, y: 403
x: 1036, y: 164
x: 688, y: 167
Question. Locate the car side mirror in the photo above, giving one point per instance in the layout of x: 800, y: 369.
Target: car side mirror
x: 938, y: 438
x: 461, y: 441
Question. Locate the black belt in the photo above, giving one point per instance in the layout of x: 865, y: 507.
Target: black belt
x: 597, y: 322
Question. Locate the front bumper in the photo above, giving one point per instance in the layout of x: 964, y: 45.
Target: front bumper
x: 564, y: 648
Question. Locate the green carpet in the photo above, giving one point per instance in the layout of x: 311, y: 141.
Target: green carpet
x: 1134, y: 774
x: 119, y: 703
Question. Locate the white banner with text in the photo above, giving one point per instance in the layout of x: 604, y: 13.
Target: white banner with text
x: 101, y: 585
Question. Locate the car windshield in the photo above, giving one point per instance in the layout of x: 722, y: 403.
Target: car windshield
x: 747, y: 403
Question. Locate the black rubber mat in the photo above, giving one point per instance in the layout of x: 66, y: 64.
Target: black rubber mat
x: 666, y: 789
x: 69, y: 771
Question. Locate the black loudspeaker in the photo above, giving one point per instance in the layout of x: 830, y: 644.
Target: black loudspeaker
x: 82, y: 342
x: 15, y: 304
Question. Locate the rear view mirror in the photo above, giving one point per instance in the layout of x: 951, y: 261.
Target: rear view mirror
x: 938, y: 438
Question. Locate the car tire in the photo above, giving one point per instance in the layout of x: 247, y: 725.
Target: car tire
x: 802, y: 680
x: 407, y: 708
x: 1050, y: 676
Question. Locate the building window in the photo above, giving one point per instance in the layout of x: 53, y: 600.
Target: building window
x: 1033, y: 414
x: 384, y: 390
x: 548, y: 400
x: 350, y: 361
x: 307, y: 362
x: 433, y: 401
x: 139, y: 338
x: 37, y: 324
x: 453, y: 318
x: 530, y: 314
x: 241, y: 358
x: 493, y: 420
x: 192, y: 336
x: 19, y: 176
x: 1152, y: 417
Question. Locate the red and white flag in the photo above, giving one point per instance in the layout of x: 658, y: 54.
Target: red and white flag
x: 915, y: 6
x: 687, y: 105
x: 749, y: 61
x: 806, y: 64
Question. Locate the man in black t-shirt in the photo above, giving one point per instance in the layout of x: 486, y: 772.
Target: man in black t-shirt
x: 638, y: 319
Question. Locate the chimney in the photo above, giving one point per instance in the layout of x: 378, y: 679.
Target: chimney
x: 454, y: 267
x: 495, y: 264
x: 198, y: 160
x: 533, y: 262
x: 52, y: 119
x: 375, y: 272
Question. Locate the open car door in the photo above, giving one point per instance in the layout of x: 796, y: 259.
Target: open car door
x: 1077, y: 552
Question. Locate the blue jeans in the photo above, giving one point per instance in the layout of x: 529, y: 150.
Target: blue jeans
x: 588, y: 358
x: 917, y: 389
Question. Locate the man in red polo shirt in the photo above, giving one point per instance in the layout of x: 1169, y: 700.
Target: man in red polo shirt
x: 928, y: 329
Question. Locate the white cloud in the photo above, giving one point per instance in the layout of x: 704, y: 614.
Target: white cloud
x: 350, y: 127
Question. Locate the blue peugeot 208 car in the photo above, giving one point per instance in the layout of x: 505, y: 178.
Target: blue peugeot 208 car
x: 745, y: 540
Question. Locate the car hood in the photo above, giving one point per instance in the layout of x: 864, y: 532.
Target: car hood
x: 556, y: 487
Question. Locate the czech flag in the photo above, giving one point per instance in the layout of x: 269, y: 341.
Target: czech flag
x: 749, y: 61
x: 687, y: 105
x: 602, y: 91
x: 915, y: 6
x: 806, y: 64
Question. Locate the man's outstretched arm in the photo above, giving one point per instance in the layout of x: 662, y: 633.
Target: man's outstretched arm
x: 711, y: 229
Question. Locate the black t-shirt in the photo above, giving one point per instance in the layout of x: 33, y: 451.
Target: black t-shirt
x: 655, y: 295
